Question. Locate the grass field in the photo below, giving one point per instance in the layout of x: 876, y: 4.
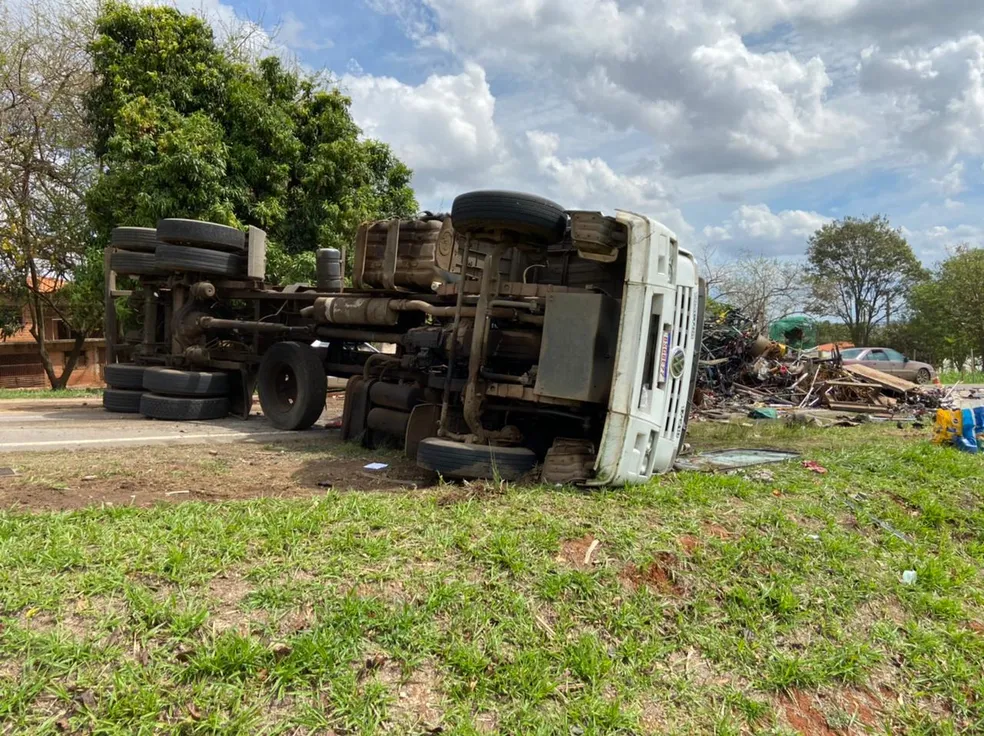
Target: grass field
x: 710, y: 603
x: 39, y: 393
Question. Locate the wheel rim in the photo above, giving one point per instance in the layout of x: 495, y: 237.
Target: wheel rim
x: 285, y: 387
x: 922, y: 376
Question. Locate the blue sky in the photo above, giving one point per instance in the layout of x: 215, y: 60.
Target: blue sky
x: 742, y: 125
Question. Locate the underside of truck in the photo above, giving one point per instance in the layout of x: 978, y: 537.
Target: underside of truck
x: 483, y: 342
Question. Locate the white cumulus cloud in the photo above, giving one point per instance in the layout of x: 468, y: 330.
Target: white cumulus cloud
x: 443, y: 128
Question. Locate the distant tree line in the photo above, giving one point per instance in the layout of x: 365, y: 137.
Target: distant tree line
x: 864, y: 285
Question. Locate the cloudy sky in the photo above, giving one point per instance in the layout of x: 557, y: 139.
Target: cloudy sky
x: 741, y: 123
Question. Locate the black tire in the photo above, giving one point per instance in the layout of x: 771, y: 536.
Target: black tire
x: 181, y: 409
x: 123, y: 401
x: 124, y: 375
x: 171, y: 382
x: 471, y: 462
x: 524, y: 214
x: 923, y: 376
x: 137, y: 239
x: 198, y: 260
x: 201, y: 234
x: 134, y: 264
x: 292, y: 385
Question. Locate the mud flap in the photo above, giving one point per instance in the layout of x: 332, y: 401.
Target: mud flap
x: 424, y: 422
x: 242, y: 385
x: 356, y: 409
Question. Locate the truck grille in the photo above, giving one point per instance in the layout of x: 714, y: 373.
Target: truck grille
x: 685, y: 303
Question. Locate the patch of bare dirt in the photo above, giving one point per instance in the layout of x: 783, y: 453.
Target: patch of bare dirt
x: 389, y: 590
x: 652, y: 717
x: 11, y: 668
x: 695, y: 667
x: 862, y: 705
x: 146, y: 476
x: 228, y: 592
x: 486, y: 722
x: 845, y: 711
x: 581, y: 554
x: 718, y: 531
x: 659, y: 575
x: 299, y: 620
x: 470, y: 491
x: 802, y: 714
x: 43, y: 622
x: 689, y: 543
x: 418, y: 702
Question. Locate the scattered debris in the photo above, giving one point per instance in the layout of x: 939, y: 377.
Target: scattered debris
x: 815, y: 467
x: 744, y: 371
x: 733, y: 459
x: 6, y: 472
x: 376, y: 466
x: 176, y: 493
x: 577, y: 552
x: 909, y: 577
x: 763, y: 413
x: 87, y: 478
x: 854, y: 504
x: 591, y: 549
x: 659, y: 575
x: 764, y: 476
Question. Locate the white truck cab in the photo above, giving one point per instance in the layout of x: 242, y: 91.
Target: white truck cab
x: 656, y: 360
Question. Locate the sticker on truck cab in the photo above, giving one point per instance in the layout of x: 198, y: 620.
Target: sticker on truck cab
x: 664, y: 355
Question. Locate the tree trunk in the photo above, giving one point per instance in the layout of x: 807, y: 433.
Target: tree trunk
x: 37, y: 332
x: 70, y: 361
x: 57, y: 382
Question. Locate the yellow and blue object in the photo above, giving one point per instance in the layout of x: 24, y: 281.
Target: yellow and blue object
x: 962, y: 428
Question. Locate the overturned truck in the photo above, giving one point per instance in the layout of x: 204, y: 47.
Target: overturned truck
x: 522, y: 336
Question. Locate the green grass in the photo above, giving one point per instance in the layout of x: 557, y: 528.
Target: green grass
x: 948, y: 378
x: 38, y: 393
x: 715, y: 604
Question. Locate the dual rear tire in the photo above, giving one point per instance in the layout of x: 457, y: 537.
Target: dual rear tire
x: 165, y: 393
x: 292, y: 386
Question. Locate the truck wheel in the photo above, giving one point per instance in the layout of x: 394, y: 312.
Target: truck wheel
x: 471, y: 462
x: 137, y: 239
x: 124, y: 376
x: 292, y: 385
x: 180, y: 409
x: 134, y: 264
x: 205, y: 234
x: 524, y: 214
x: 170, y: 382
x: 123, y: 401
x: 198, y: 260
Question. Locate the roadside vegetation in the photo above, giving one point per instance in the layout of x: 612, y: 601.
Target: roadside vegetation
x: 30, y: 394
x: 948, y: 378
x: 767, y: 602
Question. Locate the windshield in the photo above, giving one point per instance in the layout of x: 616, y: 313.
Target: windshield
x: 851, y: 353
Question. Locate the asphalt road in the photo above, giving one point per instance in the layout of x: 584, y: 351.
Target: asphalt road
x: 27, y: 426
x: 39, y: 425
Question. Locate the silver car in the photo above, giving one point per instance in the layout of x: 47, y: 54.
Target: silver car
x: 890, y: 361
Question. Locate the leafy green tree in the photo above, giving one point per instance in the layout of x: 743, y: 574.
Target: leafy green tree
x: 46, y: 165
x: 948, y: 310
x: 185, y: 128
x: 861, y: 271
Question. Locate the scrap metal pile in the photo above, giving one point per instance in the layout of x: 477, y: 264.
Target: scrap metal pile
x: 739, y: 367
